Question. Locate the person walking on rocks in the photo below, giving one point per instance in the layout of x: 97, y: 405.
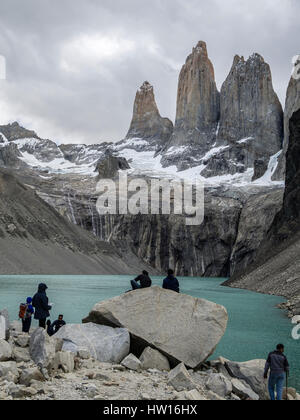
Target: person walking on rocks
x: 279, y: 366
x: 41, y: 304
x: 26, y: 316
x: 171, y: 282
x: 141, y: 282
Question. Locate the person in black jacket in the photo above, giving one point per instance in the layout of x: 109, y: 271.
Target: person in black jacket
x: 171, y: 282
x: 56, y: 326
x: 41, y: 304
x: 144, y: 281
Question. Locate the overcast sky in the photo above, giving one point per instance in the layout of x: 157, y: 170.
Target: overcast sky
x: 73, y: 66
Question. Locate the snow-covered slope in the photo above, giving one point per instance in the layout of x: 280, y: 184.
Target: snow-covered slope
x: 48, y: 157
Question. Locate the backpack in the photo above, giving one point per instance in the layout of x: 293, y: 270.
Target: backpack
x: 23, y: 310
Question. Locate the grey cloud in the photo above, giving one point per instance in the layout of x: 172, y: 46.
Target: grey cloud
x: 65, y: 83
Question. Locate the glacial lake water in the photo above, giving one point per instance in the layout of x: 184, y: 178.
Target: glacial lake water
x: 255, y: 326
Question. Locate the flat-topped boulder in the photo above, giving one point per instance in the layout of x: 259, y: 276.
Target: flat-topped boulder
x: 183, y: 328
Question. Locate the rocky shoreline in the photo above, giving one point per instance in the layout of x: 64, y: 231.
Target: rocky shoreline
x: 93, y: 361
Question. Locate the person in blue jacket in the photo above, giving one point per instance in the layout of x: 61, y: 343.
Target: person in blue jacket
x: 171, y: 282
x: 41, y: 304
x: 26, y: 322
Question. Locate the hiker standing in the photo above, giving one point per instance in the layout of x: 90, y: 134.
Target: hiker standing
x: 56, y: 326
x: 41, y: 304
x: 26, y: 312
x: 171, y: 282
x: 141, y: 282
x: 279, y: 366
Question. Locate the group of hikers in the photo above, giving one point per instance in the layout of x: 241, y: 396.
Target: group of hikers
x: 39, y: 306
x: 143, y: 281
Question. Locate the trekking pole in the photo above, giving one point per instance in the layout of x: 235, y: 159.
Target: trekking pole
x: 287, y: 383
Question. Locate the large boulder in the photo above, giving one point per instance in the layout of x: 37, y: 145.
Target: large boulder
x: 183, y: 328
x: 5, y: 351
x: 42, y: 348
x: 4, y: 313
x: 106, y: 344
x: 252, y: 373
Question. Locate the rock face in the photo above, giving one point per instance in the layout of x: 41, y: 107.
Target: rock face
x: 292, y: 105
x: 276, y: 267
x: 45, y: 240
x: 250, y: 109
x: 255, y: 220
x: 193, y: 251
x: 183, y: 328
x: 198, y: 102
x: 9, y: 155
x: 103, y: 343
x: 146, y: 121
x: 15, y: 132
x: 225, y: 133
x: 251, y: 120
x: 42, y: 348
x: 198, y: 111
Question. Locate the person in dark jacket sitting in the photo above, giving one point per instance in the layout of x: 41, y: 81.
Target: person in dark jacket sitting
x: 171, y: 282
x: 41, y: 304
x: 141, y: 282
x: 279, y: 366
x: 56, y: 326
x: 49, y: 328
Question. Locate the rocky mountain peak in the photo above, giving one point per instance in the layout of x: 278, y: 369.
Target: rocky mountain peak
x: 201, y: 48
x: 147, y: 122
x: 146, y: 88
x: 250, y: 108
x: 15, y: 131
x: 198, y: 104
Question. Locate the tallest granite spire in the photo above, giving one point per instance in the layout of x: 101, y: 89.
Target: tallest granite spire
x: 198, y: 101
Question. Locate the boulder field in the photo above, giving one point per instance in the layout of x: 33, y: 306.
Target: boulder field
x: 93, y: 361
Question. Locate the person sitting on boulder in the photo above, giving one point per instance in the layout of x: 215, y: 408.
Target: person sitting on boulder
x: 56, y: 326
x: 171, y: 282
x: 41, y: 305
x: 143, y: 281
x: 279, y: 366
